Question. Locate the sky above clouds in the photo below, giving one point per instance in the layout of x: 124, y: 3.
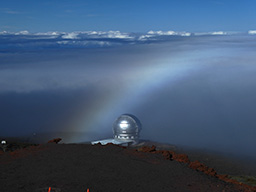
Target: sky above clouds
x: 127, y: 16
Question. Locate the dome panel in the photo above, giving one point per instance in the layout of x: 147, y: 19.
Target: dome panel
x: 127, y: 127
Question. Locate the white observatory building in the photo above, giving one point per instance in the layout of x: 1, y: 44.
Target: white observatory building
x: 126, y: 131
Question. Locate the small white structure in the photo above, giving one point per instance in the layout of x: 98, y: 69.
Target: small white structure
x: 3, y: 145
x: 126, y: 130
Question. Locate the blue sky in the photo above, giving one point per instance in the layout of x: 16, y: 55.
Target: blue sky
x: 127, y: 16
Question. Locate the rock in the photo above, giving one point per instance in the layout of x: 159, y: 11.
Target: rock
x: 203, y: 168
x: 180, y: 157
x: 147, y: 149
x: 166, y: 154
x: 56, y: 140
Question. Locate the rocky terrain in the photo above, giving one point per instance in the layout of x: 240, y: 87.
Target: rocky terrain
x: 79, y: 167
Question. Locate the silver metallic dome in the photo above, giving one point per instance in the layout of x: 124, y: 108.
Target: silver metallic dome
x: 127, y: 127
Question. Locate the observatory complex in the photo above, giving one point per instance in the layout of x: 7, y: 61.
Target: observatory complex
x: 126, y: 131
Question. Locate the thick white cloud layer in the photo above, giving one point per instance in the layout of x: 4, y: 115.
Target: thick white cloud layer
x: 115, y: 34
x: 252, y: 32
x: 164, y: 78
x: 72, y: 35
x: 169, y: 33
x: 93, y: 38
x: 50, y: 33
x: 4, y: 33
x: 219, y: 33
x: 22, y: 33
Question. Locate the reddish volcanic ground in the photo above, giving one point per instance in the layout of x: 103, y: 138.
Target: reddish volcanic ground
x: 110, y: 168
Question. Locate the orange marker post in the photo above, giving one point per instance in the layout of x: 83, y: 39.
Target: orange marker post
x: 87, y: 190
x: 49, y: 189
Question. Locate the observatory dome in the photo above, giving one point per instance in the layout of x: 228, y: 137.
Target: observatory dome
x: 127, y: 127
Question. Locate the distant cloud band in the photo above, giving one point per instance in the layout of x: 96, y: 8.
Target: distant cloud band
x: 54, y: 39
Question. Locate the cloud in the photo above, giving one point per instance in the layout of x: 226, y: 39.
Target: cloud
x: 161, y: 83
x: 162, y: 33
x: 50, y: 33
x: 219, y: 33
x: 216, y: 33
x: 87, y: 43
x: 3, y: 33
x: 169, y: 33
x: 86, y: 39
x: 118, y: 35
x: 252, y: 32
x: 145, y: 37
x: 72, y: 35
x: 22, y: 33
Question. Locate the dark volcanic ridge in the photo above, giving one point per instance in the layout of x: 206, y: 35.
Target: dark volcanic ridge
x: 77, y: 167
